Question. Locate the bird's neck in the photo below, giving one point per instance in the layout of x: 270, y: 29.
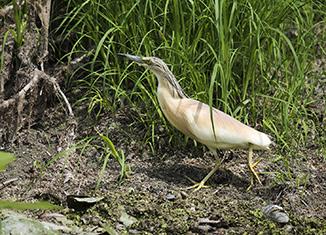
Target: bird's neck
x: 170, y: 84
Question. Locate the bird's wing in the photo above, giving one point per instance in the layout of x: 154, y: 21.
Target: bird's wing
x: 229, y: 132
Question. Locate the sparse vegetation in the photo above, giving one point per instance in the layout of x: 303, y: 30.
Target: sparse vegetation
x: 109, y: 149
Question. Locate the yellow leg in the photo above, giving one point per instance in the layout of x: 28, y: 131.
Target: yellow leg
x: 201, y: 184
x: 252, y: 166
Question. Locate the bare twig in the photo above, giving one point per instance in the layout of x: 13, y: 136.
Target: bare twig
x: 6, y: 183
x: 58, y: 89
x: 22, y: 92
x: 5, y: 10
x: 44, y: 11
x: 20, y: 96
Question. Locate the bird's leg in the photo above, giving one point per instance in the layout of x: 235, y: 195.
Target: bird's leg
x: 252, y: 166
x: 201, y: 184
x: 218, y: 163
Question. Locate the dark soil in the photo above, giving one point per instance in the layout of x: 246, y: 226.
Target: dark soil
x: 155, y: 193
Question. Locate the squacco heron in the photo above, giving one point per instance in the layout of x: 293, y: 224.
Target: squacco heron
x: 193, y: 118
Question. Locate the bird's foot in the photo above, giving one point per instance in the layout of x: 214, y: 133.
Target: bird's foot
x: 201, y: 184
x: 254, y: 174
x: 196, y: 186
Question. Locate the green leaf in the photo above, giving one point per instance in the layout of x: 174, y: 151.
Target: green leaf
x: 43, y: 205
x: 110, y: 145
x: 5, y: 159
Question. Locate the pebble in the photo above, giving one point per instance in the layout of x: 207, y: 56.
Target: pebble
x: 184, y: 195
x: 276, y: 213
x: 170, y: 197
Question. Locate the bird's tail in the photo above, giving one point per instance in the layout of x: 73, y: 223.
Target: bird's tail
x: 261, y: 141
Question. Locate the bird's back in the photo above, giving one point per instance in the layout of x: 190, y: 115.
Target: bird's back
x: 229, y: 132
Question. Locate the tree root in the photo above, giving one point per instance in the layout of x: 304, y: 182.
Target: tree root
x: 25, y: 76
x: 19, y: 98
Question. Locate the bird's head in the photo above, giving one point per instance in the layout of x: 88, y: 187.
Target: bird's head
x: 161, y: 70
x: 152, y: 63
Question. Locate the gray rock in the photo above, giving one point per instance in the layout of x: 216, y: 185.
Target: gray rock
x: 18, y: 224
x: 276, y: 214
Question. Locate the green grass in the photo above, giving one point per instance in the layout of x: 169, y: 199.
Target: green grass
x: 37, y: 205
x: 109, y: 149
x: 5, y: 159
x: 261, y: 54
x: 20, y: 10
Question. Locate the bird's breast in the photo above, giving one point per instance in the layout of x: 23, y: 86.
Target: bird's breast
x: 172, y: 109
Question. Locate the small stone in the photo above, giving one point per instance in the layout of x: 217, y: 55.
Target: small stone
x: 170, y: 197
x: 276, y: 214
x: 161, y: 129
x: 125, y: 219
x: 133, y: 231
x: 288, y: 228
x: 204, y: 228
x: 184, y: 195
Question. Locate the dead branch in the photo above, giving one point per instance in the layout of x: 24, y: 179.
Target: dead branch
x: 22, y: 92
x: 20, y: 96
x: 57, y: 88
x: 6, y: 10
x: 43, y: 12
x: 8, y: 182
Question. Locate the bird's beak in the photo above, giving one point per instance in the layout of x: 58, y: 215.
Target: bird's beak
x: 135, y: 58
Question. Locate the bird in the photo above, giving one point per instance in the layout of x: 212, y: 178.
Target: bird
x: 201, y: 122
